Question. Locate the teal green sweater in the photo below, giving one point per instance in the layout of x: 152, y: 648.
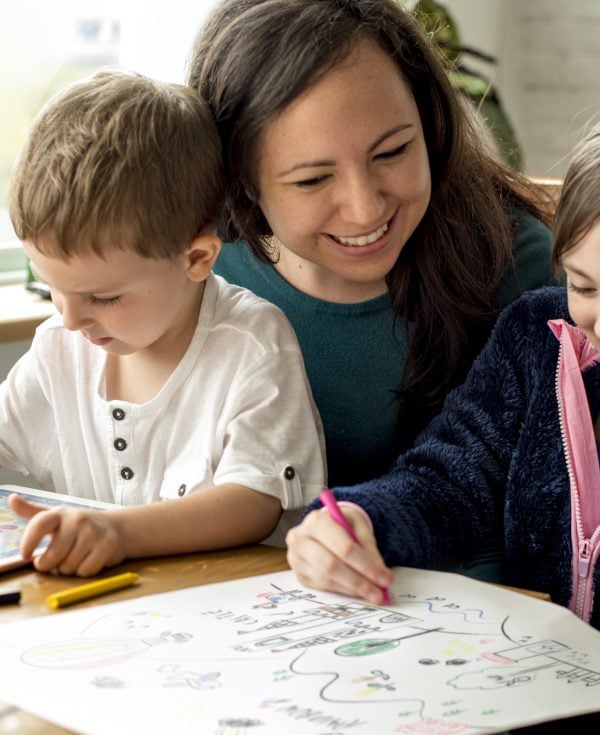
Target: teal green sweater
x: 354, y: 358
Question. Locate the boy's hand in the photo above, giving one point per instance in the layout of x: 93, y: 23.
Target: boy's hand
x: 324, y: 556
x: 83, y: 541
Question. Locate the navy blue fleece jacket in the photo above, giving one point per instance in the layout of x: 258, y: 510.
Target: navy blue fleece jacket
x: 493, y: 458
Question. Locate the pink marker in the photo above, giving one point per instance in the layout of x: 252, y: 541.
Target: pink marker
x: 329, y: 501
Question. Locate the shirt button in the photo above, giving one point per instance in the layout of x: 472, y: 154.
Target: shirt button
x: 181, y: 490
x: 118, y: 414
x: 126, y: 473
x: 289, y: 473
x: 120, y: 445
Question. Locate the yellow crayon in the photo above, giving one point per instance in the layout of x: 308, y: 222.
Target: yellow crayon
x: 91, y: 589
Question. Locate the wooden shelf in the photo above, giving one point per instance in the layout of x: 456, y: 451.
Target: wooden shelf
x: 21, y: 312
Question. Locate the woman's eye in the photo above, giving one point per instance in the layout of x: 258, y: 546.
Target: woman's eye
x: 97, y: 301
x: 394, y: 152
x: 308, y: 183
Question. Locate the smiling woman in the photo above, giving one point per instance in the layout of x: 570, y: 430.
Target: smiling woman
x: 345, y: 198
x: 361, y: 201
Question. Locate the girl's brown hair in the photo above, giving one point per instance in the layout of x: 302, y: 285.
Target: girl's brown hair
x: 578, y: 208
x: 255, y: 56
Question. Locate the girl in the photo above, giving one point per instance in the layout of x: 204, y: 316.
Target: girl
x: 518, y: 441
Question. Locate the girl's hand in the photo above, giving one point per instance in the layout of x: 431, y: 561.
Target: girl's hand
x: 83, y: 541
x: 324, y: 556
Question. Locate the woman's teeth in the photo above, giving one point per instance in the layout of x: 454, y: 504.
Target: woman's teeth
x: 358, y: 242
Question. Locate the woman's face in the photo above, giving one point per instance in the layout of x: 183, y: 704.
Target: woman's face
x: 344, y: 179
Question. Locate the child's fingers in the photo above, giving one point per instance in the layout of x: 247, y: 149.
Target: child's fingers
x: 42, y: 521
x: 78, y: 562
x: 315, y: 566
x: 97, y: 558
x: 57, y: 551
x: 91, y: 542
x: 39, y: 525
x: 96, y: 546
x: 324, y: 556
x: 364, y: 557
x: 68, y: 545
x: 24, y: 508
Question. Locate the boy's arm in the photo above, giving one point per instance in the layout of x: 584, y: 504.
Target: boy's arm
x: 84, y: 540
x: 211, y: 518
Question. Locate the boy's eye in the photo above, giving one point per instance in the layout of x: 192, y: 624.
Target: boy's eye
x: 97, y: 301
x: 394, y: 152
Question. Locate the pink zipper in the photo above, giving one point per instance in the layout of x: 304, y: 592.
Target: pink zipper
x: 581, y: 456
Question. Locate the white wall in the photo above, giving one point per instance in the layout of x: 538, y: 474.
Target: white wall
x: 548, y: 71
x: 9, y: 354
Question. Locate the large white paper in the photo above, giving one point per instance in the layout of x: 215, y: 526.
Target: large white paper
x: 265, y: 656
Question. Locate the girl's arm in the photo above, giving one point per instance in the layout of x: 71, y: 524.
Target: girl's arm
x: 443, y: 497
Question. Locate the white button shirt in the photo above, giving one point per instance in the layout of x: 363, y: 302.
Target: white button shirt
x: 237, y: 408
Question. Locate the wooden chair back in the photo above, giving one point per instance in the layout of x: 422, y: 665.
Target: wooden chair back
x: 550, y: 187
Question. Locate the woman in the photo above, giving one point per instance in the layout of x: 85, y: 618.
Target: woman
x: 363, y: 204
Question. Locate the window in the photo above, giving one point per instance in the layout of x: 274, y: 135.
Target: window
x: 45, y: 46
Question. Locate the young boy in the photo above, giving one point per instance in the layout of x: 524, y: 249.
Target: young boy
x: 157, y: 380
x: 518, y: 444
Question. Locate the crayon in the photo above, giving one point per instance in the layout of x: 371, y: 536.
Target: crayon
x: 91, y: 590
x: 10, y: 598
x: 329, y: 501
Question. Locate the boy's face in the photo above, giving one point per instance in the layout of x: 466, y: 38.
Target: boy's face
x: 582, y: 266
x: 123, y: 303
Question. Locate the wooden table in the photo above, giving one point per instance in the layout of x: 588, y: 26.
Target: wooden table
x: 156, y: 575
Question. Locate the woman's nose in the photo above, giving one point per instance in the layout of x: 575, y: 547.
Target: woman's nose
x: 362, y: 201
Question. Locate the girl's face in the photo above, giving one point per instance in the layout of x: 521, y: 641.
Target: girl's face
x: 344, y: 179
x: 582, y: 266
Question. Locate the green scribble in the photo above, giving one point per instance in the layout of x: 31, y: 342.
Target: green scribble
x: 367, y: 647
x: 282, y: 675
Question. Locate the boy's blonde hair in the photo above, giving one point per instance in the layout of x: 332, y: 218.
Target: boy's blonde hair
x: 118, y: 160
x: 578, y: 209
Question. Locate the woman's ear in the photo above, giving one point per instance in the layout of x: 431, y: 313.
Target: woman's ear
x: 200, y: 256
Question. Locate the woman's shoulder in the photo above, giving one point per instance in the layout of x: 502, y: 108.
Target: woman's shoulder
x: 238, y: 265
x: 531, y: 267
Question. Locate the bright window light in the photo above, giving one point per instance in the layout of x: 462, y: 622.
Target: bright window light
x: 46, y: 45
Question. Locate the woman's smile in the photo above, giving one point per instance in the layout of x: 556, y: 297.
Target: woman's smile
x: 342, y: 192
x: 362, y: 240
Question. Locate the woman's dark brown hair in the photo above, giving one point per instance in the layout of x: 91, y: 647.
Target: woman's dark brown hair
x: 255, y: 56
